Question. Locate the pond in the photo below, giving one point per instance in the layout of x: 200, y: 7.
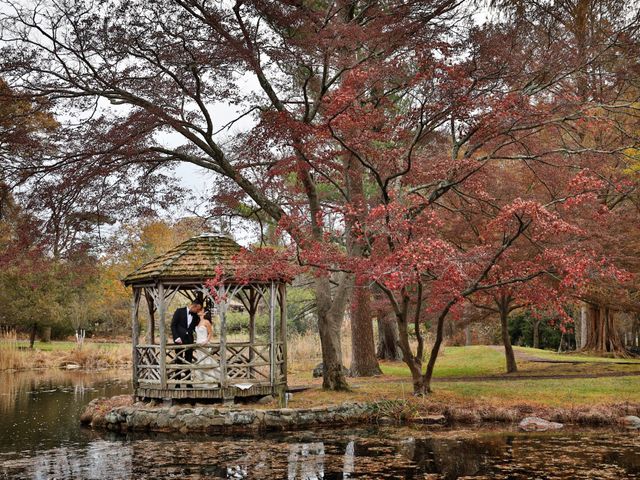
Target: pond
x: 40, y: 438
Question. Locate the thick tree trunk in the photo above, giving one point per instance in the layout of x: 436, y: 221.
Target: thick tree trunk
x: 363, y: 353
x: 536, y: 333
x: 602, y: 335
x: 330, y: 315
x: 388, y: 338
x: 510, y: 358
x: 635, y: 332
x: 363, y: 348
x: 46, y: 335
x: 584, y: 326
x: 468, y: 336
x: 32, y: 334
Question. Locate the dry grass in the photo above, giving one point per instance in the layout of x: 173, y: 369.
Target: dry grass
x: 11, y: 358
x: 304, y: 351
x: 99, y: 356
x: 15, y: 356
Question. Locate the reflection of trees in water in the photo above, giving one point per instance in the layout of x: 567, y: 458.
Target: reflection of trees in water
x: 42, y: 407
x: 628, y: 459
x: 15, y: 387
x: 336, y: 455
x: 453, y: 457
x: 306, y: 461
x: 101, y: 459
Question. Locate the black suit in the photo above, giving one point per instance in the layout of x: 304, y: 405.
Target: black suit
x: 180, y: 329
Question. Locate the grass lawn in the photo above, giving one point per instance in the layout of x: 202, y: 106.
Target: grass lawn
x: 552, y: 393
x: 573, y: 356
x: 480, y: 361
x: 562, y: 392
x: 471, y: 361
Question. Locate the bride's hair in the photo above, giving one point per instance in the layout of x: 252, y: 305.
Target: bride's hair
x: 207, y: 316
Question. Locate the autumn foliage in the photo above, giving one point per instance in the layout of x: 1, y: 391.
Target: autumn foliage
x: 403, y: 147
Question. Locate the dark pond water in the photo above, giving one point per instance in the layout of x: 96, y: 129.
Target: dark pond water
x: 40, y: 439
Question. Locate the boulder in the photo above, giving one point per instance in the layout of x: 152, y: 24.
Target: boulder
x: 631, y: 422
x: 97, y: 408
x: 536, y: 424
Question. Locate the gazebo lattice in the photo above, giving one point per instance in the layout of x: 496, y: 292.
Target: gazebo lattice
x: 245, y: 368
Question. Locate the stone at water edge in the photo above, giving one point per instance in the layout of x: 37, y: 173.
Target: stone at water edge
x: 536, y: 424
x: 430, y: 419
x: 631, y: 422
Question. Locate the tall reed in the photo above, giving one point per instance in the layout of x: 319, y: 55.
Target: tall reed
x: 10, y: 355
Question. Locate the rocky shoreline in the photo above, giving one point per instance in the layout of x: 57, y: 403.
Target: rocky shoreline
x: 122, y: 414
x: 218, y: 419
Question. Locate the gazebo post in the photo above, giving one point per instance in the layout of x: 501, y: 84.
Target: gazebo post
x: 253, y: 304
x: 151, y: 328
x: 135, y: 333
x: 272, y: 336
x: 283, y: 328
x: 223, y: 344
x: 163, y: 336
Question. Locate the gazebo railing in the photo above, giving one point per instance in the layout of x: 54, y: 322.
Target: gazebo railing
x: 246, y: 363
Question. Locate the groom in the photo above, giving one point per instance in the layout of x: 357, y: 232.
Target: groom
x: 183, y: 325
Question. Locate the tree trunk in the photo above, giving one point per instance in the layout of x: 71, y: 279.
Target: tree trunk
x: 512, y: 367
x: 414, y: 364
x: 602, y: 335
x: 46, y: 335
x: 536, y: 333
x: 363, y: 348
x: 426, y: 383
x: 32, y: 335
x: 584, y: 328
x: 363, y: 353
x: 388, y: 338
x: 329, y: 324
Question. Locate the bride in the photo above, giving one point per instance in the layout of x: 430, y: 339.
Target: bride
x: 210, y: 376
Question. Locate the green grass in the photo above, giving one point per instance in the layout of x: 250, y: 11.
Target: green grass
x: 580, y: 391
x: 573, y: 356
x: 471, y: 361
x: 479, y: 361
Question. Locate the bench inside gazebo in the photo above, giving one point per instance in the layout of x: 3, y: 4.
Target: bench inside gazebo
x: 253, y: 366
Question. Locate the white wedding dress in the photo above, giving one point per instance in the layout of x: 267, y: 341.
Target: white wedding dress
x: 211, y: 374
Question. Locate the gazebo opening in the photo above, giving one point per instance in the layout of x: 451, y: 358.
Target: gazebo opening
x: 247, y: 355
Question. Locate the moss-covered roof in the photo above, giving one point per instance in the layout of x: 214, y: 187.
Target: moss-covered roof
x: 196, y: 259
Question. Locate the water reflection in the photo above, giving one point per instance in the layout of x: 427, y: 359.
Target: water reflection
x: 40, y: 409
x: 369, y: 454
x: 41, y: 439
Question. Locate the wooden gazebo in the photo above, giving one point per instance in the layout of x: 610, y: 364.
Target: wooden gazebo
x: 250, y: 367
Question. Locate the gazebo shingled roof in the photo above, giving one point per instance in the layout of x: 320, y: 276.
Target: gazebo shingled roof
x: 196, y: 259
